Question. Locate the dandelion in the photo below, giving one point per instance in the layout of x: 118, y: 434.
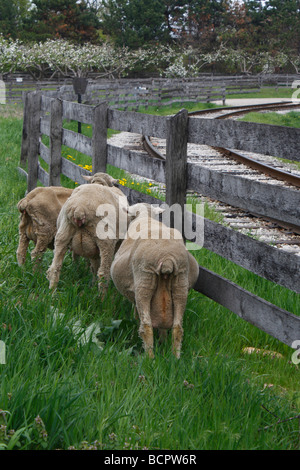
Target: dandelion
x: 150, y: 184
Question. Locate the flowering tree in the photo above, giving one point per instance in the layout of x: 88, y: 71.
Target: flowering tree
x: 67, y: 59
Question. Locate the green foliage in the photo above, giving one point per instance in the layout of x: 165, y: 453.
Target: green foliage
x: 135, y: 23
x: 64, y: 19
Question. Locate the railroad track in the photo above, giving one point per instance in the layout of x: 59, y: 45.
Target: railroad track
x: 282, y: 235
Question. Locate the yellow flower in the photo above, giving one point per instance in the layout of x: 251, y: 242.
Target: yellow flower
x: 150, y: 184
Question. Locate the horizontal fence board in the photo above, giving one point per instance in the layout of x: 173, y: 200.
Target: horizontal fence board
x: 136, y: 163
x: 45, y: 125
x: 44, y: 152
x: 260, y: 198
x: 265, y: 139
x: 46, y: 103
x: 258, y: 257
x: 78, y: 112
x: 146, y: 124
x: 77, y: 141
x: 273, y: 320
x: 73, y: 171
x: 43, y: 176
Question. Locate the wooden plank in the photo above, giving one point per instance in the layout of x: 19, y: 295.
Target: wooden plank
x: 72, y: 171
x: 55, y: 142
x: 77, y: 141
x: 265, y: 139
x: 145, y: 124
x: 44, y: 152
x: 25, y: 132
x: 43, y: 176
x: 136, y: 162
x: 260, y: 198
x: 176, y: 159
x: 99, y: 139
x: 273, y: 320
x: 78, y: 112
x: 34, y: 103
x: 46, y: 103
x: 263, y: 260
x: 45, y: 125
x: 135, y: 197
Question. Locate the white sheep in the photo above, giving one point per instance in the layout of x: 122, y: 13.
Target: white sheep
x: 39, y: 211
x: 85, y: 228
x: 155, y: 271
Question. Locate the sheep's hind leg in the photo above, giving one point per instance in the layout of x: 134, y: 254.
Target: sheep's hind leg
x: 143, y: 302
x: 62, y: 241
x: 39, y: 250
x: 107, y: 250
x: 22, y: 248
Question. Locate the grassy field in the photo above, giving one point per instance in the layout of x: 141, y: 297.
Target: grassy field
x: 61, y: 388
x: 265, y: 92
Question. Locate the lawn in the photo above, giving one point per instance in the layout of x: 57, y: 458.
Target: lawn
x: 61, y: 388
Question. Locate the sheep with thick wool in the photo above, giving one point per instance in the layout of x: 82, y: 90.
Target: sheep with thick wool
x: 88, y: 224
x: 155, y: 271
x: 39, y: 210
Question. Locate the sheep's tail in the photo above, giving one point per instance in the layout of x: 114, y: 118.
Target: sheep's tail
x: 166, y: 267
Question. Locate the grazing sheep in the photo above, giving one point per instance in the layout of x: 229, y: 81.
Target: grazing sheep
x: 39, y: 211
x: 154, y: 270
x: 90, y: 209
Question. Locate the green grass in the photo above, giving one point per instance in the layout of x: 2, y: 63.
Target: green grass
x: 265, y: 92
x: 291, y: 119
x: 214, y: 397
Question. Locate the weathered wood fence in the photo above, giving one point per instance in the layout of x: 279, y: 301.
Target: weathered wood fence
x: 45, y: 115
x: 133, y: 93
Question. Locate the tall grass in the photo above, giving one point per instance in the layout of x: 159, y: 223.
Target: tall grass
x: 58, y: 392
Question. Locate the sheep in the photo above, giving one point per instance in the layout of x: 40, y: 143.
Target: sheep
x: 39, y: 210
x: 79, y: 227
x: 155, y: 271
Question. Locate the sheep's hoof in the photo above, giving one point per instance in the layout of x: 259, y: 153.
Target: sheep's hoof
x: 150, y: 353
x: 176, y: 353
x: 20, y: 260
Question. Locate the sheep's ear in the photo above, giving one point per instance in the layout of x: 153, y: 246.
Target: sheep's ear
x: 158, y: 210
x: 86, y: 177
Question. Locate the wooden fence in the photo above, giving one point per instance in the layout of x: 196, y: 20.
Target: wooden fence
x: 45, y: 115
x: 133, y: 93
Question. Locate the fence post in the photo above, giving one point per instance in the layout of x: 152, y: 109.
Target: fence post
x: 176, y: 159
x: 25, y: 131
x: 55, y: 142
x: 99, y: 139
x: 34, y: 113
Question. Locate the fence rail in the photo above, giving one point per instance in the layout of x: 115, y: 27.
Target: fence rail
x: 44, y: 115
